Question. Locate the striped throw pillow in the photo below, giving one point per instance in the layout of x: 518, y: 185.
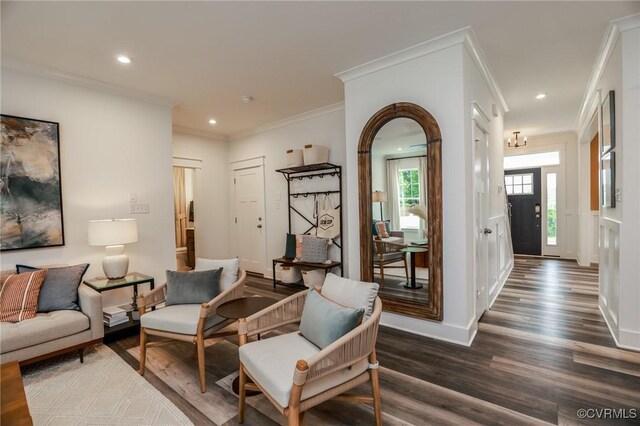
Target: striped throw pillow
x: 19, y: 296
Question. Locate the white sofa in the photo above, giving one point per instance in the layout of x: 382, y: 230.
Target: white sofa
x: 53, y: 333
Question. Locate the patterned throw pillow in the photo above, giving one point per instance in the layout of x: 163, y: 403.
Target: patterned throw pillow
x: 19, y: 296
x: 298, y: 247
x: 382, y: 230
x: 314, y: 249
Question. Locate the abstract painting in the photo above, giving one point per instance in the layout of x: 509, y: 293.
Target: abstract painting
x: 30, y: 190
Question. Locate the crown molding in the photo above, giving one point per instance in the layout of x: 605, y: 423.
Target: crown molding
x: 589, y: 100
x: 201, y: 133
x: 473, y: 48
x: 289, y: 121
x: 50, y: 73
x: 463, y: 36
x: 413, y: 52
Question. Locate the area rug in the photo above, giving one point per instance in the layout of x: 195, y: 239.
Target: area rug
x: 103, y: 390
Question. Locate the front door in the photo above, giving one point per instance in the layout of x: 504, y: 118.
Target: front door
x: 524, y: 193
x: 249, y: 218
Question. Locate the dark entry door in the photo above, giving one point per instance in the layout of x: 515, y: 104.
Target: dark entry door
x: 524, y: 193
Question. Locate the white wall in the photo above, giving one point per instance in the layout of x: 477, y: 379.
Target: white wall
x: 110, y: 145
x: 326, y: 129
x: 211, y: 192
x: 618, y: 68
x: 568, y: 183
x: 434, y: 82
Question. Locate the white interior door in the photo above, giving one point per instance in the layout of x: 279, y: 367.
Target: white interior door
x: 249, y: 218
x: 482, y: 232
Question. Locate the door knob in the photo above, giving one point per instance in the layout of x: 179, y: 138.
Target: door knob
x: 259, y: 226
x: 487, y: 231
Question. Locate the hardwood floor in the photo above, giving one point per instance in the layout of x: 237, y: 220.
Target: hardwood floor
x: 541, y: 353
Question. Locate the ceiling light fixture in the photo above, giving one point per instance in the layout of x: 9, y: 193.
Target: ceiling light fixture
x: 212, y: 121
x: 247, y: 99
x: 541, y: 96
x: 516, y: 145
x: 399, y: 149
x: 123, y: 59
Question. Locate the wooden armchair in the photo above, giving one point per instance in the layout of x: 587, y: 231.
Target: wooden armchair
x: 188, y: 323
x: 294, y: 374
x: 386, y: 253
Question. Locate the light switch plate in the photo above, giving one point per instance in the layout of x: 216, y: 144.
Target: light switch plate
x: 139, y: 208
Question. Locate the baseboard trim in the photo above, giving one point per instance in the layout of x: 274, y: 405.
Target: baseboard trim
x: 436, y: 330
x: 502, y: 281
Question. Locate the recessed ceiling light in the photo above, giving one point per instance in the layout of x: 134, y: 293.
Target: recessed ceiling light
x: 399, y: 149
x: 123, y: 59
x: 212, y: 121
x: 246, y: 99
x: 541, y: 96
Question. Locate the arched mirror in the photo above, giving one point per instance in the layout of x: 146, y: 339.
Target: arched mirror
x: 400, y: 178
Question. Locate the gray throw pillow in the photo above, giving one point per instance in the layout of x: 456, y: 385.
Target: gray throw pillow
x: 192, y: 287
x: 314, y: 249
x: 59, y: 291
x: 323, y: 321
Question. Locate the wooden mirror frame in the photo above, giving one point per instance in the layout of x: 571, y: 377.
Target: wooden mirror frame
x: 433, y: 309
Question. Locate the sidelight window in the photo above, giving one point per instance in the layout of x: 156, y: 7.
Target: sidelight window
x: 552, y: 210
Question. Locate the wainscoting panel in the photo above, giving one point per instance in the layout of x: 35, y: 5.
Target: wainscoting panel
x: 500, y: 255
x: 570, y: 243
x: 594, y: 241
x: 609, y: 267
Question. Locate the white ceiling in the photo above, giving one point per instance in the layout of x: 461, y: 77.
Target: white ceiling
x: 207, y: 55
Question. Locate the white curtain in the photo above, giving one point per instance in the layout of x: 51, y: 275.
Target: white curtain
x: 422, y: 175
x: 392, y: 193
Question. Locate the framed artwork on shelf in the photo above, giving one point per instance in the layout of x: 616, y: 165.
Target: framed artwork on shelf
x: 608, y: 179
x: 30, y: 187
x: 608, y: 117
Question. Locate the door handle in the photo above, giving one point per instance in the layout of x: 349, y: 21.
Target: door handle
x: 487, y: 231
x: 259, y: 226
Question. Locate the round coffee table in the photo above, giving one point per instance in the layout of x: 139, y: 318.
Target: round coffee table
x: 413, y: 250
x: 240, y: 309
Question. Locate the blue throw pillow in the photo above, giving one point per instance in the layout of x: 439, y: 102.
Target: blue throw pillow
x: 59, y: 291
x: 290, y: 248
x: 192, y: 287
x: 323, y: 321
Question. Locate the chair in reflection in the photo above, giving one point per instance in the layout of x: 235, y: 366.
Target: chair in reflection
x: 387, y: 254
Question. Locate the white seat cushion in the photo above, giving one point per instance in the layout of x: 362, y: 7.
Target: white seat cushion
x: 43, y: 328
x: 397, y: 240
x: 351, y: 293
x: 181, y: 319
x: 271, y: 362
x: 229, y: 267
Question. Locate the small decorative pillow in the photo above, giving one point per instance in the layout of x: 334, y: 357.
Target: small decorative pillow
x: 323, y: 321
x: 382, y: 230
x: 19, y: 296
x: 355, y: 294
x: 192, y: 287
x: 290, y: 248
x: 314, y: 249
x: 230, y: 269
x: 298, y: 247
x: 59, y: 291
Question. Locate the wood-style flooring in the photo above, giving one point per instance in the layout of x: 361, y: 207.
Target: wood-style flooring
x: 541, y: 353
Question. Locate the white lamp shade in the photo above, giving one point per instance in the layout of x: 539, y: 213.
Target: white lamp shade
x: 112, y: 232
x: 379, y: 196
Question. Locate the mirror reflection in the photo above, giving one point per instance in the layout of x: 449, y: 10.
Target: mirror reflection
x: 399, y: 206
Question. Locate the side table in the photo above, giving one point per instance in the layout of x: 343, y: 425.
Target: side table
x: 239, y: 309
x: 132, y: 279
x: 413, y: 250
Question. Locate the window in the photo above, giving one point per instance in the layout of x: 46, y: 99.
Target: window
x: 519, y: 184
x: 552, y: 222
x: 532, y: 160
x: 408, y: 196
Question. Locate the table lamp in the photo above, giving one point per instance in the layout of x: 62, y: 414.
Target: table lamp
x: 113, y: 234
x: 379, y: 197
